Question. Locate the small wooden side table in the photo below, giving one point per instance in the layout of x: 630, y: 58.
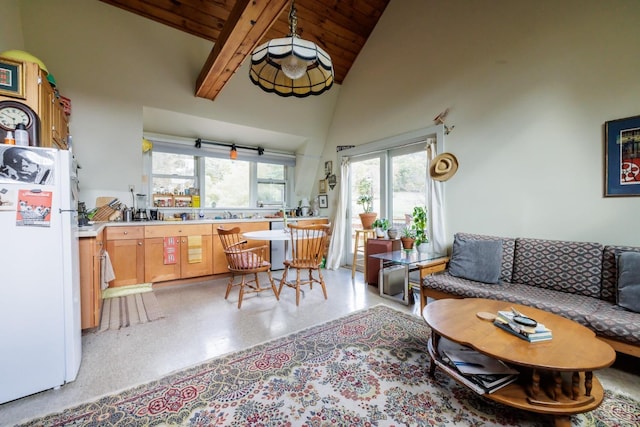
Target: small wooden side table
x: 358, y: 248
x: 427, y: 268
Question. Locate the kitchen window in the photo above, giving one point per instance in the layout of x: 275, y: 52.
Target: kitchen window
x: 222, y: 183
x: 271, y: 184
x: 173, y: 173
x: 227, y: 183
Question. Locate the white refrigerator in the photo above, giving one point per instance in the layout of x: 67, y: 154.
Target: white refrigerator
x: 40, y: 331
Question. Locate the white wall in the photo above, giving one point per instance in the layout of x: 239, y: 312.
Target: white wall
x: 112, y: 63
x: 529, y: 84
x: 11, y: 28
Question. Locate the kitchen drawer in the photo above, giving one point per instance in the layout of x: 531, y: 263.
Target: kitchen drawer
x: 124, y: 233
x: 306, y: 222
x: 244, y: 226
x: 152, y: 231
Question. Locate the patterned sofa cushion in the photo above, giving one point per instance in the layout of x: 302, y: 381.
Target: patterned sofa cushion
x: 617, y: 323
x: 571, y: 306
x: 508, y: 247
x: 573, y: 267
x: 610, y: 270
x: 462, y: 287
x: 479, y: 260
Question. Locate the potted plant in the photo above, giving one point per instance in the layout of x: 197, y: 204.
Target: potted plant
x: 392, y: 231
x: 407, y: 237
x: 419, y: 220
x: 367, y: 217
x: 380, y: 225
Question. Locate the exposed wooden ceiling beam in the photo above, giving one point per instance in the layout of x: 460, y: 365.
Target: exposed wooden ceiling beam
x: 340, y: 27
x: 248, y: 23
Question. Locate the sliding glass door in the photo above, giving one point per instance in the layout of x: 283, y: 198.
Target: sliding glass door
x: 408, y: 183
x: 366, y: 173
x: 397, y: 180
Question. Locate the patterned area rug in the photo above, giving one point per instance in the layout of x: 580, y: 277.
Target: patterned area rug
x: 366, y: 369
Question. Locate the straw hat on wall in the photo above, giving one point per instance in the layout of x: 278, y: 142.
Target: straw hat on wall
x: 443, y: 167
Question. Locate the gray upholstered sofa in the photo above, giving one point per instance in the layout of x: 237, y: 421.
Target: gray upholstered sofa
x: 577, y: 280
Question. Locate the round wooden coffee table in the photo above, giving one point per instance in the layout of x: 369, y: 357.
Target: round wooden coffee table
x: 556, y: 376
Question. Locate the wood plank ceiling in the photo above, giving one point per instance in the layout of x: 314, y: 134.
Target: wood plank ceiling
x: 236, y: 27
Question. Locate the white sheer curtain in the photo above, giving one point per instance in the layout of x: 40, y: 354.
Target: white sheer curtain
x: 337, y: 245
x: 435, y: 204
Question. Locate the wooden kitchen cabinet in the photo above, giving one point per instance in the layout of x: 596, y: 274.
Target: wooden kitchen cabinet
x: 91, y: 281
x: 41, y: 98
x: 54, y: 123
x: 202, y: 247
x: 125, y: 246
x: 219, y: 259
x: 305, y: 222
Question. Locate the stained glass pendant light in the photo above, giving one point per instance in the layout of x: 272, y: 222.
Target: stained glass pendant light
x: 291, y: 66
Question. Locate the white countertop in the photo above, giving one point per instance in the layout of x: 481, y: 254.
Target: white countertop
x: 93, y: 229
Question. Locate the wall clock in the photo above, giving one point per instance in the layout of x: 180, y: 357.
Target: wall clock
x: 12, y: 113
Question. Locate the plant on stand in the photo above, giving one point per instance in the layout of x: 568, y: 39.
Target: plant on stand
x: 365, y: 198
x: 380, y: 225
x: 419, y: 220
x: 367, y: 217
x: 407, y: 237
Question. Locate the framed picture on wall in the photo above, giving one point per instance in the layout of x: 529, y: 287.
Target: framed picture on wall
x: 11, y: 78
x: 323, y: 201
x: 622, y: 157
x: 322, y: 186
x: 328, y: 168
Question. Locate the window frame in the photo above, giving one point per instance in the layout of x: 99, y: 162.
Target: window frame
x: 257, y: 181
x: 420, y: 137
x: 180, y: 147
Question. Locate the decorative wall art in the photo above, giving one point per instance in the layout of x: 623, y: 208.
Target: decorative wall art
x: 328, y: 168
x: 11, y: 78
x: 323, y: 201
x: 622, y: 157
x: 322, y: 186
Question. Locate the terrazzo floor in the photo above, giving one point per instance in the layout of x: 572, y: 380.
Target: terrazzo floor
x: 200, y: 324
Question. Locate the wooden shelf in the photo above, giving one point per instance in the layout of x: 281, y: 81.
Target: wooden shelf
x: 519, y: 395
x: 175, y: 201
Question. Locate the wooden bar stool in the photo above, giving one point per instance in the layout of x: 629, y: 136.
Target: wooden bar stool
x: 359, y: 249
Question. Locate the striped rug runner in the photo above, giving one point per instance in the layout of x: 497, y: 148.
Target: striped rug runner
x: 129, y: 310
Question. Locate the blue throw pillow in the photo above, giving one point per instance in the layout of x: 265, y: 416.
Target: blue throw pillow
x: 629, y: 281
x: 478, y: 260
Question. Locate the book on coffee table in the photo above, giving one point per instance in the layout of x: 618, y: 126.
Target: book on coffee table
x: 541, y: 333
x: 469, y: 361
x: 478, y: 371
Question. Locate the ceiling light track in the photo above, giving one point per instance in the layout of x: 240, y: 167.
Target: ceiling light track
x: 231, y: 145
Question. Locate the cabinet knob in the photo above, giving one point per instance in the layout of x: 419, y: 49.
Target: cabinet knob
x: 139, y: 243
x: 126, y: 232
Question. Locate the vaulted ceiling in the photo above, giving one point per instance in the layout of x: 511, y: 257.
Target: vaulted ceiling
x: 340, y: 27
